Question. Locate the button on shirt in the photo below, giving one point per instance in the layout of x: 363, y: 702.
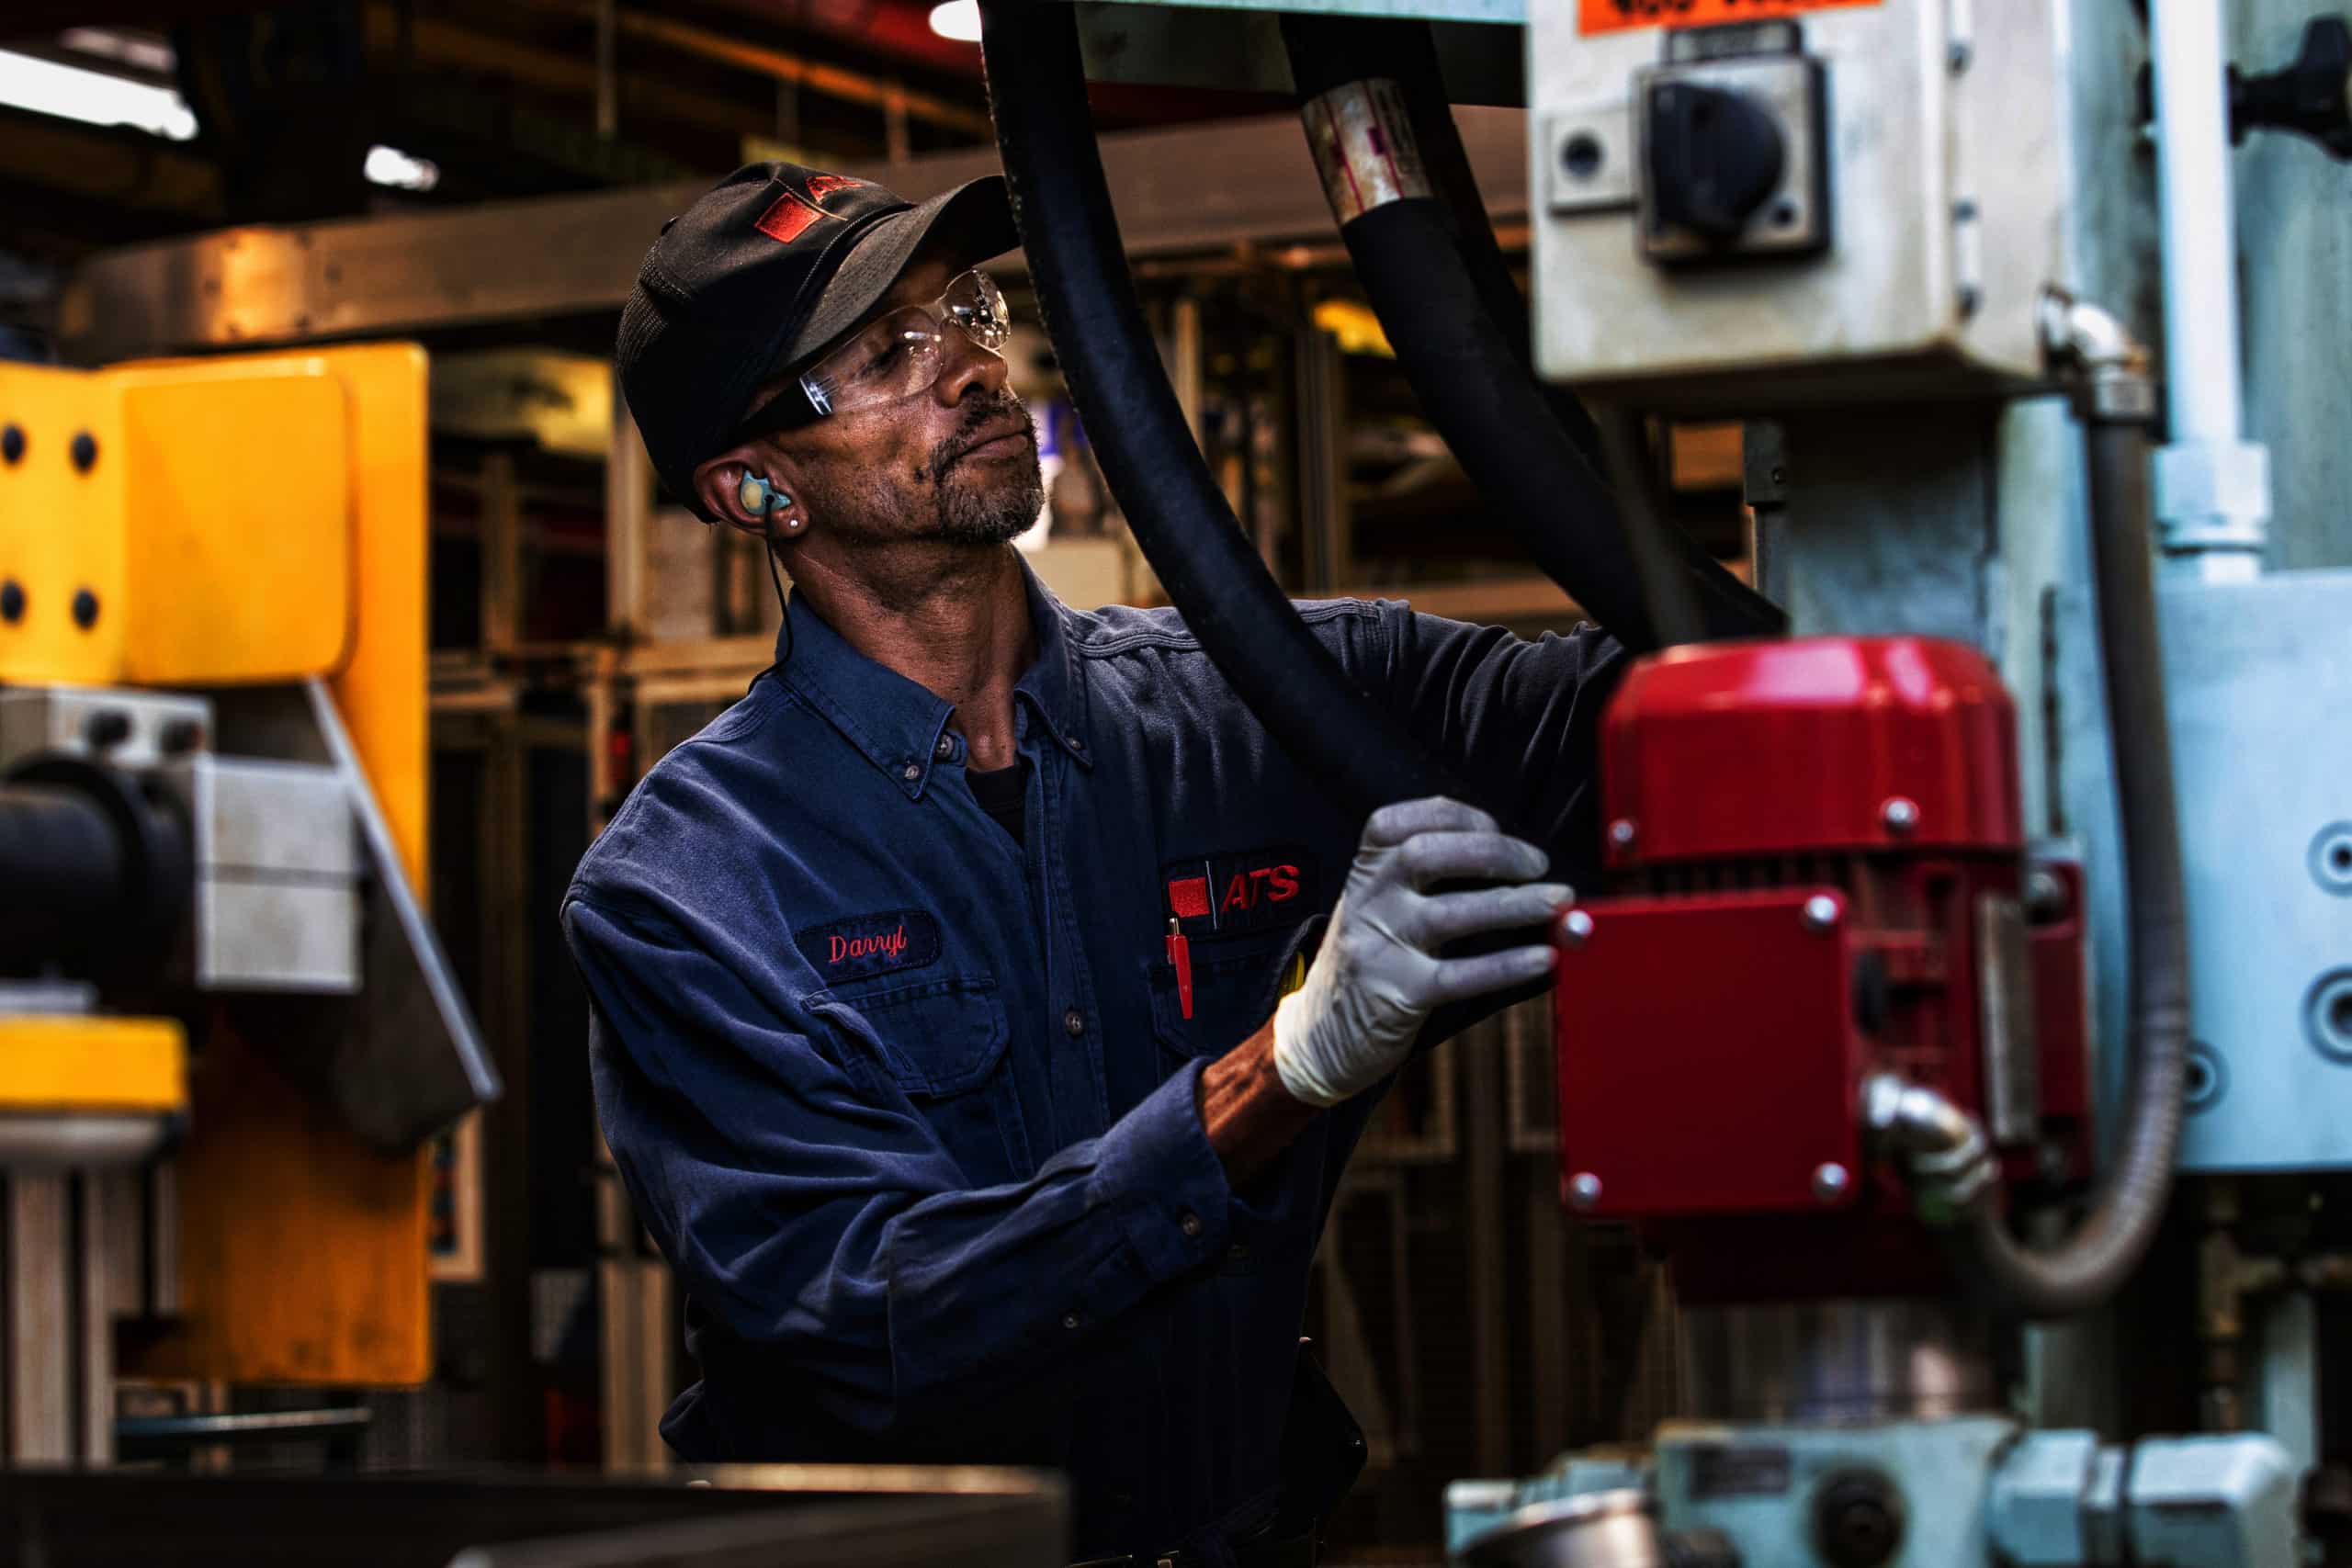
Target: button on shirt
x: 914, y: 1109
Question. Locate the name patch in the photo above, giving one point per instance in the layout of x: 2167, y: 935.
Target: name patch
x: 870, y: 945
x: 1225, y: 894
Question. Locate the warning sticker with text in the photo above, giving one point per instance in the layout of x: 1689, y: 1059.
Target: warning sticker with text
x: 1617, y: 15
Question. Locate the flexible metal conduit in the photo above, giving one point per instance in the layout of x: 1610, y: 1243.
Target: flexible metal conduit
x: 1946, y: 1147
x: 1401, y: 189
x: 1062, y: 205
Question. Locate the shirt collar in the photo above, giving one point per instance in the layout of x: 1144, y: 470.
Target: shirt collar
x: 898, y: 723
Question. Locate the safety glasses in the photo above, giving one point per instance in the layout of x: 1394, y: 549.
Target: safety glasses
x: 897, y: 356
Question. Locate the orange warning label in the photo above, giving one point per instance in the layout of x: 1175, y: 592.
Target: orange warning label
x: 1617, y: 15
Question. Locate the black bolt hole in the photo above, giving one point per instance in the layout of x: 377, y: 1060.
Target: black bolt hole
x: 1582, y: 156
x: 2340, y: 857
x: 1784, y: 215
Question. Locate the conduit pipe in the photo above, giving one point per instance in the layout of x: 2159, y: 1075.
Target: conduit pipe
x: 2213, y: 487
x: 1951, y: 1163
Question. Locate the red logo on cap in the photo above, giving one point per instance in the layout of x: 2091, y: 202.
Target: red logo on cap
x: 823, y: 185
x: 788, y: 219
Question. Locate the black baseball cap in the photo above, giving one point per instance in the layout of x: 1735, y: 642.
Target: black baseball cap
x: 761, y: 274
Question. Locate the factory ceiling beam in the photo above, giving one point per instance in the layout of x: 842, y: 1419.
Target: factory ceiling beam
x: 810, y: 75
x: 141, y: 175
x: 430, y: 41
x: 559, y: 257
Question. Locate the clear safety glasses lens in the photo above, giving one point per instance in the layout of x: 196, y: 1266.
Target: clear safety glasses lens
x: 900, y: 354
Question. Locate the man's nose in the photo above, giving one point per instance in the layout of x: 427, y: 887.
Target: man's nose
x: 969, y: 365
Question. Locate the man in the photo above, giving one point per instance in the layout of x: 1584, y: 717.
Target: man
x: 937, y: 1027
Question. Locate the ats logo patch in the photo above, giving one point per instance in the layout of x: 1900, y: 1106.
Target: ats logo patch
x: 1227, y: 894
x: 865, y: 945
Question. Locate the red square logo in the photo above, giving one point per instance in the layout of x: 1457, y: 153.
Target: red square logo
x: 1188, y: 898
x: 788, y: 219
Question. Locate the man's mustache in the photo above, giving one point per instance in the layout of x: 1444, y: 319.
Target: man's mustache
x: 976, y: 419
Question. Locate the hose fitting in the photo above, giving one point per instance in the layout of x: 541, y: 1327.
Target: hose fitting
x: 1943, y: 1149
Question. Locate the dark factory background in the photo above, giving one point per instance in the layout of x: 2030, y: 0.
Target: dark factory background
x: 580, y: 626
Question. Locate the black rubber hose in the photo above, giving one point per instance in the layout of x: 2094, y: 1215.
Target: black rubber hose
x: 1062, y: 205
x: 1437, y: 279
x: 97, y: 869
x: 2128, y: 1207
x: 62, y: 874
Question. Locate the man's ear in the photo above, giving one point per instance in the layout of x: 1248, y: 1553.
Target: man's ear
x: 718, y: 486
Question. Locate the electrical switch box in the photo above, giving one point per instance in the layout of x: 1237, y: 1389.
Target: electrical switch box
x: 1851, y: 201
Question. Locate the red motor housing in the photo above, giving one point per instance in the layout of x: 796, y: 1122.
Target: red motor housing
x: 1817, y: 872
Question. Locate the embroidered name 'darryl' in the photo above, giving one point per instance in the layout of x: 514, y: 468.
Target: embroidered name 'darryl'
x: 864, y: 945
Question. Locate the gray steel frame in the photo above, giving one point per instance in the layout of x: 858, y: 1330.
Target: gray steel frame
x: 811, y: 1516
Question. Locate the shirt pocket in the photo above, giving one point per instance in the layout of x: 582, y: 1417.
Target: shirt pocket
x: 1233, y: 994
x: 933, y: 1039
x: 943, y: 1042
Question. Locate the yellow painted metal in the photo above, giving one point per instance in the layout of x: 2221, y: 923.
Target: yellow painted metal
x: 258, y: 519
x: 381, y: 690
x: 60, y: 528
x: 237, y: 537
x: 206, y: 538
x: 380, y: 683
x: 303, y: 1251
x: 88, y: 1064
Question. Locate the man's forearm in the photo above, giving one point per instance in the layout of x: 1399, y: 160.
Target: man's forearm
x: 1249, y: 1115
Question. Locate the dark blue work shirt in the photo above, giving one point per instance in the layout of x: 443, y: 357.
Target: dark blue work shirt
x: 915, y: 1110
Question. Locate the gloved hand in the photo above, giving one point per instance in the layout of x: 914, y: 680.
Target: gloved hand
x: 1378, y: 978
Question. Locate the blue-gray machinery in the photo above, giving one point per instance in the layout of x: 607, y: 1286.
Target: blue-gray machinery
x: 2040, y: 328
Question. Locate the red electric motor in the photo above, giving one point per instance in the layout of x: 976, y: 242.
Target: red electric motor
x: 1817, y: 873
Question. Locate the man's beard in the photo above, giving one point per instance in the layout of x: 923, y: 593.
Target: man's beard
x: 973, y: 506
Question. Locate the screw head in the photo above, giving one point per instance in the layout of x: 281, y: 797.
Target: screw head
x: 1621, y: 832
x: 1900, y: 814
x: 85, y: 452
x: 1820, y: 913
x: 12, y: 601
x: 1584, y: 1190
x: 12, y: 444
x: 2045, y: 895
x: 86, y: 609
x: 1830, y: 1181
x: 1576, y: 926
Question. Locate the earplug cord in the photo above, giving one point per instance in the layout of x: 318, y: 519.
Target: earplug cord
x: 776, y: 575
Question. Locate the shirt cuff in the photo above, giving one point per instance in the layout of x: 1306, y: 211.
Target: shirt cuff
x: 1159, y: 1173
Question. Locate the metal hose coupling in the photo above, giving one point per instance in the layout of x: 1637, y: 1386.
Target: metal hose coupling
x: 2112, y: 372
x: 1944, y: 1153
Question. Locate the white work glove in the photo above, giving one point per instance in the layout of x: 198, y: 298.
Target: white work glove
x: 1377, y: 978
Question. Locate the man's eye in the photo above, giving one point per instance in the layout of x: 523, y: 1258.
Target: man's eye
x: 892, y: 356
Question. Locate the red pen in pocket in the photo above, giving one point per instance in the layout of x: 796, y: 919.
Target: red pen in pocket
x: 1179, y: 954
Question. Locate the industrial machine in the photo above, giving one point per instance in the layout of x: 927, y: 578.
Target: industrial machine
x: 225, y: 1025
x: 1985, y: 871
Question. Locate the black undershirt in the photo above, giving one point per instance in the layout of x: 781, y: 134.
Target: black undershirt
x: 1003, y: 794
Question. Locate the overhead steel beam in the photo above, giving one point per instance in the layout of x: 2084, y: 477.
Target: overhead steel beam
x: 1197, y: 189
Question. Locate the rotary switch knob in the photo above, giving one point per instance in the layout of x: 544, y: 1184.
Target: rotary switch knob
x: 1715, y: 156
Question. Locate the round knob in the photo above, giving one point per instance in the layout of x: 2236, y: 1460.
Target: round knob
x: 1715, y: 156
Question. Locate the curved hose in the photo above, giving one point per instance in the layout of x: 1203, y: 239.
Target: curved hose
x: 2129, y: 1206
x: 1435, y: 274
x: 1950, y: 1162
x: 1062, y: 205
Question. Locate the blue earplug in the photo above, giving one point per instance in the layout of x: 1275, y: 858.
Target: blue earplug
x: 759, y: 497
